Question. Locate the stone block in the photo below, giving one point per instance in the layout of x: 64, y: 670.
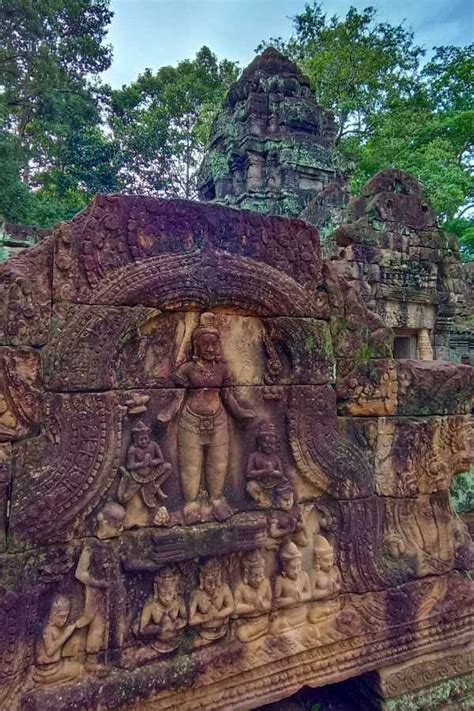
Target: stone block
x: 20, y: 392
x: 101, y: 348
x: 25, y: 296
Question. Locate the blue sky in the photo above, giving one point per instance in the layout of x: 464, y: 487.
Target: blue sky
x: 151, y: 33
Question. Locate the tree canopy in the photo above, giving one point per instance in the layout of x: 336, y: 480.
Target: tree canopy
x: 161, y: 123
x: 64, y: 135
x: 393, y: 107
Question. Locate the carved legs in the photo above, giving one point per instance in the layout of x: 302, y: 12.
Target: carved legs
x: 208, y: 451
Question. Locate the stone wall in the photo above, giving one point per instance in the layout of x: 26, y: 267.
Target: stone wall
x: 217, y: 483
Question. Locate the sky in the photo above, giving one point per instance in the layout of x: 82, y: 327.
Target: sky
x: 152, y: 33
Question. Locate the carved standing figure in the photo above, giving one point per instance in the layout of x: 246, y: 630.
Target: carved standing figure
x: 51, y: 667
x: 203, y: 433
x: 140, y: 487
x: 327, y: 578
x: 91, y: 573
x: 253, y: 598
x: 211, y: 604
x: 267, y: 483
x: 164, y: 614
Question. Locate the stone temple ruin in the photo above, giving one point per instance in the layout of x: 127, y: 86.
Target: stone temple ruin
x: 225, y: 459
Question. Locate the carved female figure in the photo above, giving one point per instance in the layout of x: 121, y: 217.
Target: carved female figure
x: 253, y: 598
x: 211, y: 604
x: 51, y: 667
x: 203, y: 434
x: 326, y: 579
x: 164, y: 614
x: 292, y: 588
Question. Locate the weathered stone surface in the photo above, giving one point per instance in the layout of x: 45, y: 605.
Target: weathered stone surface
x: 408, y: 268
x: 5, y: 481
x: 20, y: 392
x: 25, y: 296
x: 403, y: 387
x: 205, y: 519
x: 271, y: 147
x: 98, y: 348
x: 384, y: 620
x: 172, y: 254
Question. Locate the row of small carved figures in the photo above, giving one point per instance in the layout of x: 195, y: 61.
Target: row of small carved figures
x: 256, y: 606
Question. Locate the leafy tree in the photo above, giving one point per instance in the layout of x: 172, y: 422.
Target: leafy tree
x: 355, y: 64
x: 50, y: 51
x: 391, y: 109
x: 161, y: 123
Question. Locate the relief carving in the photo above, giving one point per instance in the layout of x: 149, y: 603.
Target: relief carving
x: 164, y: 614
x: 211, y: 604
x: 203, y: 529
x: 267, y: 483
x: 253, y: 598
x: 140, y: 485
x: 91, y: 571
x: 326, y: 577
x: 52, y: 665
x: 203, y: 431
x: 292, y: 588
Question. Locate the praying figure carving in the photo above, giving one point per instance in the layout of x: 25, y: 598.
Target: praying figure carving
x: 211, y: 604
x: 326, y: 578
x: 253, y: 598
x: 267, y: 482
x: 203, y: 431
x: 51, y: 665
x: 140, y: 486
x: 164, y: 614
x: 292, y: 588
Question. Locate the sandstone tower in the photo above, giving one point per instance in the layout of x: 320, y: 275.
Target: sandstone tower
x: 271, y: 147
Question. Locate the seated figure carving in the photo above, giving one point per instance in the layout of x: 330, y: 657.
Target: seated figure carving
x: 211, y: 604
x: 253, y: 598
x: 292, y: 588
x: 203, y: 432
x: 267, y: 482
x: 326, y: 578
x: 51, y: 666
x: 140, y: 486
x: 164, y: 614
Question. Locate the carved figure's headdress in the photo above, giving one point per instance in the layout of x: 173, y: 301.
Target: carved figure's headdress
x: 253, y: 559
x: 167, y: 572
x: 211, y: 565
x: 141, y: 427
x: 290, y: 551
x: 321, y: 545
x: 265, y: 428
x: 113, y: 512
x: 61, y: 603
x: 207, y: 325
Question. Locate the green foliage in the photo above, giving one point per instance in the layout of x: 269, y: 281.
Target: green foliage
x: 162, y: 121
x: 50, y: 109
x: 462, y: 492
x: 391, y: 110
x: 464, y: 229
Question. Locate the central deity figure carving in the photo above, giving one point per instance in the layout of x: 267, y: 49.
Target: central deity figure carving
x: 203, y: 428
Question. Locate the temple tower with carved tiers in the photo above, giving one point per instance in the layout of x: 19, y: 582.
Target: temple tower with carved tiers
x: 271, y: 147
